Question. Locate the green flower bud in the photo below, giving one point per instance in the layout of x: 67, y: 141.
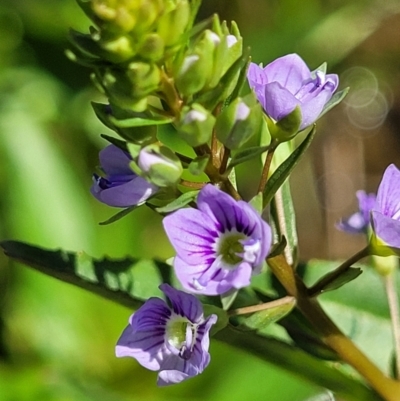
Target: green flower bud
x: 196, y: 125
x: 173, y: 24
x: 196, y: 69
x: 152, y: 48
x: 239, y: 122
x: 121, y: 49
x: 159, y: 165
x: 286, y: 128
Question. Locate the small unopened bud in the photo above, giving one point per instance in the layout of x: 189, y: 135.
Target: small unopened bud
x: 239, y: 122
x: 159, y: 165
x: 196, y: 125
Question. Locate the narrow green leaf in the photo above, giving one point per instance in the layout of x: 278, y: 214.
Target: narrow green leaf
x: 260, y: 320
x: 256, y: 202
x: 139, y: 122
x: 349, y: 275
x: 119, y: 215
x: 283, y: 171
x: 246, y: 154
x: 278, y: 248
x: 178, y: 203
x: 115, y: 141
x: 128, y: 281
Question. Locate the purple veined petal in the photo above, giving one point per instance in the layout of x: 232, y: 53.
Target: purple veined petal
x: 386, y: 229
x: 188, y: 276
x: 388, y: 196
x: 289, y: 71
x: 192, y: 234
x: 313, y: 107
x: 239, y: 277
x: 113, y: 160
x: 168, y: 377
x: 279, y: 102
x: 154, y: 313
x: 256, y: 75
x: 134, y: 192
x: 148, y: 347
x: 183, y: 304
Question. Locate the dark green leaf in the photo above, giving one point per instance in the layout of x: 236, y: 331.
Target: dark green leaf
x: 244, y: 155
x: 128, y: 281
x: 283, y: 171
x: 119, y: 215
x: 178, y: 203
x: 278, y: 248
x: 115, y: 141
x: 222, y: 321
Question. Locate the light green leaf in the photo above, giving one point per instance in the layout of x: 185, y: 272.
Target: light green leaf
x: 198, y: 165
x: 178, y: 203
x: 283, y: 171
x: 118, y: 216
x: 244, y: 155
x: 334, y: 100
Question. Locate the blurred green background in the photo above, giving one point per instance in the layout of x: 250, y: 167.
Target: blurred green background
x: 56, y: 341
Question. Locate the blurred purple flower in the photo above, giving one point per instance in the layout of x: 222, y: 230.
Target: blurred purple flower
x: 171, y: 340
x: 220, y: 245
x: 120, y: 187
x: 358, y: 222
x: 386, y: 213
x: 286, y: 83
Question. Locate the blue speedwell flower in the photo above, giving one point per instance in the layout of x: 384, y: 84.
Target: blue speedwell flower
x: 358, y: 222
x: 171, y: 340
x: 120, y: 187
x: 220, y: 245
x: 286, y: 83
x: 385, y: 215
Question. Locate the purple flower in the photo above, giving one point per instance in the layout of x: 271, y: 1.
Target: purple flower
x: 171, y: 340
x: 358, y: 222
x: 120, y: 187
x: 220, y: 245
x: 286, y: 83
x: 386, y: 213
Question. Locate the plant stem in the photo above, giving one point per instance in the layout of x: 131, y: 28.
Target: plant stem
x: 224, y: 162
x: 330, y: 333
x: 318, y: 287
x: 390, y: 285
x: 260, y: 307
x: 192, y: 185
x: 267, y: 165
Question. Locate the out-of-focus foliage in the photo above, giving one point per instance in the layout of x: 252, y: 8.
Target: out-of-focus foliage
x: 57, y: 342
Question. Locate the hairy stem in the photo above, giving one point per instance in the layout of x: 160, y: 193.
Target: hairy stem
x: 331, y: 334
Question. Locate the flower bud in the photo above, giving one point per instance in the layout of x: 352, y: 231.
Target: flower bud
x: 286, y: 128
x: 196, y: 69
x: 238, y: 122
x: 152, y: 48
x: 159, y: 165
x: 196, y: 125
x: 173, y: 24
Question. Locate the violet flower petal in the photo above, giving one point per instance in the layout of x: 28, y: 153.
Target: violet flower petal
x: 113, y: 160
x: 386, y: 229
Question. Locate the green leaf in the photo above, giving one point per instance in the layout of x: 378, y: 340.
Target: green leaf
x: 349, y: 275
x: 260, y: 320
x: 198, y: 165
x: 334, y: 100
x: 298, y: 362
x: 128, y: 281
x: 140, y: 122
x: 256, y: 202
x: 282, y: 211
x: 119, y: 215
x: 115, y: 141
x: 283, y: 171
x: 244, y: 155
x: 178, y: 203
x: 228, y: 298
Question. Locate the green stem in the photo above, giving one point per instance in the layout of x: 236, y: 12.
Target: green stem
x: 267, y: 165
x: 318, y: 287
x: 390, y: 285
x: 331, y: 334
